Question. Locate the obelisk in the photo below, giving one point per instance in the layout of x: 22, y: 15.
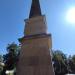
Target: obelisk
x: 35, y: 55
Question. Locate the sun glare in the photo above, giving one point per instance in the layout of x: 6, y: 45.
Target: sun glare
x: 71, y: 15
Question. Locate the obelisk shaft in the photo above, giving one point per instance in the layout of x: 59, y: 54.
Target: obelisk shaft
x: 36, y: 45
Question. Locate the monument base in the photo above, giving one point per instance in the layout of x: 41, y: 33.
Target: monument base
x: 35, y: 58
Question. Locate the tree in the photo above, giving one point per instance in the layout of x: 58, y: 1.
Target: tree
x: 1, y: 64
x: 60, y: 65
x: 10, y: 58
x: 71, y: 63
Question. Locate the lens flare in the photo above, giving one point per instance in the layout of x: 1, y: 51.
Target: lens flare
x: 71, y: 15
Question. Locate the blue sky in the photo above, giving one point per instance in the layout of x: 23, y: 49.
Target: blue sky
x: 13, y: 13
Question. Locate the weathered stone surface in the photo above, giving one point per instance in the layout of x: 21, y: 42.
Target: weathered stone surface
x: 36, y: 45
x: 35, y: 25
x: 35, y: 56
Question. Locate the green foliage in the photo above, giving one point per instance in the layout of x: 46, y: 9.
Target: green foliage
x: 10, y: 58
x: 73, y: 59
x: 1, y: 58
x: 62, y: 64
x: 59, y: 59
x: 1, y: 65
x: 71, y: 63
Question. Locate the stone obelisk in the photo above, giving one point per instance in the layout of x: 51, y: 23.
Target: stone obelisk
x: 35, y: 56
